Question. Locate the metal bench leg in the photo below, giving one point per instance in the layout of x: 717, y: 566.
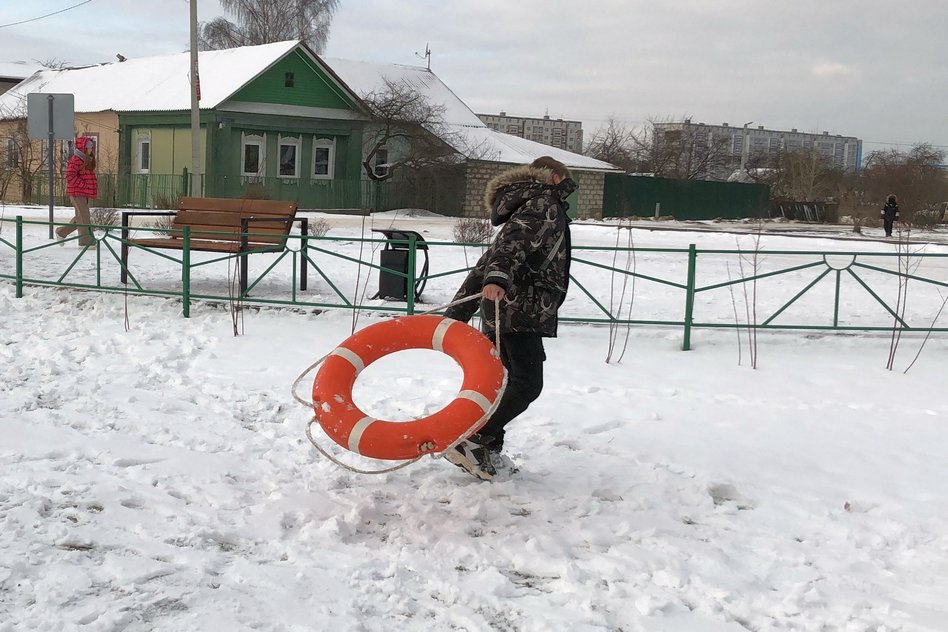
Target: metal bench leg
x: 244, y: 229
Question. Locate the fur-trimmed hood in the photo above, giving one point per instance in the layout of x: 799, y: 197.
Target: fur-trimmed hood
x: 508, y: 191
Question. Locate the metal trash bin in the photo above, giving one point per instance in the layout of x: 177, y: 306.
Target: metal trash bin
x: 394, y: 258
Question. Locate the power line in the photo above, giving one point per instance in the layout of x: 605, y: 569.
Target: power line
x: 45, y: 16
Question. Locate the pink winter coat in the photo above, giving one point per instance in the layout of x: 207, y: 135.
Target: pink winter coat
x: 81, y: 182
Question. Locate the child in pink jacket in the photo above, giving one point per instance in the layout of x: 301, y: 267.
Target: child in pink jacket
x: 82, y: 186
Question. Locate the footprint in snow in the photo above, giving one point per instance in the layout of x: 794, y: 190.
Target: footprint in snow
x: 722, y: 493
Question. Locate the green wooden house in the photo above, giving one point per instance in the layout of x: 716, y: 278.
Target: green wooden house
x: 276, y: 122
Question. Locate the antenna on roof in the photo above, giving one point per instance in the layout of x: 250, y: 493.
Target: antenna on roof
x: 427, y: 55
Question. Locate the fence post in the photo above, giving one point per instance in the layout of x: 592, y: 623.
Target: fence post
x: 690, y: 296
x: 658, y: 210
x: 410, y: 281
x: 186, y: 271
x: 304, y: 244
x: 19, y: 256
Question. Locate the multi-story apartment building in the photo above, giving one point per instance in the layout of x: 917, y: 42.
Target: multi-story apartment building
x: 566, y: 135
x: 741, y: 143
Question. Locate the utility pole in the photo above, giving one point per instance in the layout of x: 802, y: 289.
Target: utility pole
x: 196, y: 185
x: 744, y: 146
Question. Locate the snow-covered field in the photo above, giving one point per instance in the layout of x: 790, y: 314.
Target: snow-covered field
x: 160, y: 478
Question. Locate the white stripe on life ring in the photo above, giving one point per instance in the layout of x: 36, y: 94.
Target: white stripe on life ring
x: 355, y: 436
x: 351, y: 356
x: 437, y: 339
x: 477, y: 398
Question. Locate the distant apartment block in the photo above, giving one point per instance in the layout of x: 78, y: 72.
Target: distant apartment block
x: 744, y: 142
x: 566, y: 135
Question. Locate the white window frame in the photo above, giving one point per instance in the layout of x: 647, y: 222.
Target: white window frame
x: 65, y: 152
x: 139, y: 143
x: 261, y: 143
x: 324, y: 143
x: 297, y: 143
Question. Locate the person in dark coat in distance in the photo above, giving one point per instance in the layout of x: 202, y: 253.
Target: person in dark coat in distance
x: 890, y: 214
x: 526, y: 269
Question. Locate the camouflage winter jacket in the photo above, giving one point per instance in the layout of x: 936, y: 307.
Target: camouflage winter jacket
x: 529, y: 257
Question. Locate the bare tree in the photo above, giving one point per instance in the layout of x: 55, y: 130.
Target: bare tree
x: 407, y: 131
x: 266, y: 21
x: 685, y: 151
x: 23, y: 157
x: 801, y: 175
x: 54, y: 63
x: 914, y: 176
x: 7, y: 171
x: 616, y: 144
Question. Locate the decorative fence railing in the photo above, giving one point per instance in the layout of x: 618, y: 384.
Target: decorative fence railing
x: 687, y: 288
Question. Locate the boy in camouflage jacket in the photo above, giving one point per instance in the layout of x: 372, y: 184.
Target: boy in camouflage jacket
x: 526, y: 268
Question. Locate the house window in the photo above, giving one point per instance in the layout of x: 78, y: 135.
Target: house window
x: 288, y: 80
x: 290, y: 157
x: 381, y: 165
x: 12, y: 157
x: 253, y: 157
x: 324, y: 155
x: 143, y: 155
x: 66, y: 153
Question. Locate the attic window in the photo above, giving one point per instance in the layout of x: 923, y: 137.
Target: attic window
x: 288, y: 80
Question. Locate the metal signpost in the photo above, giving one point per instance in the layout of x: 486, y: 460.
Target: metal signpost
x: 50, y: 116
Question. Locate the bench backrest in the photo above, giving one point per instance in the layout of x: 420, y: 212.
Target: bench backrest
x: 218, y: 219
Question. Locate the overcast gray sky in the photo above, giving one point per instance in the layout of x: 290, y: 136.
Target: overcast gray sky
x: 873, y: 69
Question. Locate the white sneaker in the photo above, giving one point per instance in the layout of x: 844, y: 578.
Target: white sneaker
x: 472, y: 458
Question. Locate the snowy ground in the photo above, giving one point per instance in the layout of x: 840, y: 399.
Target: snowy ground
x: 160, y: 479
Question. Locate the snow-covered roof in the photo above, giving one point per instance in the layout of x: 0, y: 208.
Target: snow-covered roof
x: 18, y: 69
x: 154, y: 83
x: 162, y: 83
x: 465, y: 131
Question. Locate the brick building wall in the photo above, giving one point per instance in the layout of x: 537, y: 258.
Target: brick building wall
x: 589, y: 203
x: 478, y: 175
x: 590, y: 193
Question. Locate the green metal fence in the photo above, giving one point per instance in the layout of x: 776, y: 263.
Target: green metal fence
x: 164, y: 190
x: 626, y: 195
x: 686, y: 288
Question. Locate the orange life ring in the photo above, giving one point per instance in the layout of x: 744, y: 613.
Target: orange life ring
x: 483, y: 383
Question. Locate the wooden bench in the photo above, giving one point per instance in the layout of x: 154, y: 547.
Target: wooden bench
x: 223, y: 225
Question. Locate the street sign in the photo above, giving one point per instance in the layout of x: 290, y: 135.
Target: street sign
x: 43, y: 110
x: 50, y: 117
